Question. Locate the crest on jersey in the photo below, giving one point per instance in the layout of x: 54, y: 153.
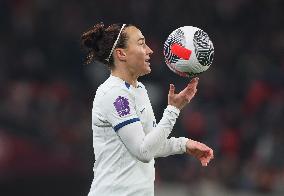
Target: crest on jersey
x: 121, y: 105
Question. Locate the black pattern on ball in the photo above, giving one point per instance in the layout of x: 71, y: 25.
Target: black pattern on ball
x: 177, y: 38
x: 204, y: 49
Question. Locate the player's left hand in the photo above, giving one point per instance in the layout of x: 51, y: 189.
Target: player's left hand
x: 200, y: 151
x: 184, y: 97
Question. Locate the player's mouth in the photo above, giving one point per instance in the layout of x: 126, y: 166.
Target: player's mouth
x: 147, y: 61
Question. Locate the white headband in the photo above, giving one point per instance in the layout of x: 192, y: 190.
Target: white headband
x: 114, y: 45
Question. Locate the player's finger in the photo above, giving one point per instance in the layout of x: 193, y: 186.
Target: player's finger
x: 204, y: 162
x: 192, y: 85
x: 194, y: 80
x: 206, y: 155
x: 208, y: 151
x: 172, y: 89
x: 211, y: 153
x: 203, y: 147
x: 190, y: 94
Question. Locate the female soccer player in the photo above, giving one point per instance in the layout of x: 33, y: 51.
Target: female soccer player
x: 126, y: 138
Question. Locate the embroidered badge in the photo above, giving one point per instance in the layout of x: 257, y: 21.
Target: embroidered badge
x: 121, y: 105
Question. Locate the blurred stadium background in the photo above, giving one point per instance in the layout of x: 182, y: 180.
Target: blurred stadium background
x: 46, y: 95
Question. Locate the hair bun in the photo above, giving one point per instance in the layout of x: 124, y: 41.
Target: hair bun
x: 91, y: 38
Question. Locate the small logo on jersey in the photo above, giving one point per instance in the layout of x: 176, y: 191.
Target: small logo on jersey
x: 121, y: 105
x: 141, y: 111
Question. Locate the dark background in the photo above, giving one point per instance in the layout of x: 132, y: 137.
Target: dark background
x: 46, y: 92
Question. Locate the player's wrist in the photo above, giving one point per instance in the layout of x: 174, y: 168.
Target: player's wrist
x: 190, y: 145
x: 173, y: 109
x: 183, y: 144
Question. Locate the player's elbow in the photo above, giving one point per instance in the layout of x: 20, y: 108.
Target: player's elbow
x: 145, y: 159
x: 143, y: 154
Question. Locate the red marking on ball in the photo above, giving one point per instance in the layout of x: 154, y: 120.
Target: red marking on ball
x: 181, y: 51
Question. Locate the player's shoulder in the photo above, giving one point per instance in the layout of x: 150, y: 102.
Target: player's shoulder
x: 113, y: 88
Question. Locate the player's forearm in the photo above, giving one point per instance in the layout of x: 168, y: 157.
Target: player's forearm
x: 151, y: 145
x: 172, y: 146
x: 168, y: 120
x: 145, y: 147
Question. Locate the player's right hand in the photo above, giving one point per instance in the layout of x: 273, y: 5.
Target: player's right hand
x: 200, y: 151
x: 181, y: 99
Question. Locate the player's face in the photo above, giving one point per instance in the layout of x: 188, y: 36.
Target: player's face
x: 137, y: 52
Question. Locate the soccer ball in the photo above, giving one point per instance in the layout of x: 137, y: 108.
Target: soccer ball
x: 188, y: 51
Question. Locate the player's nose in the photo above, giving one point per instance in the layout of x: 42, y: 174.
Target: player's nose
x: 149, y: 50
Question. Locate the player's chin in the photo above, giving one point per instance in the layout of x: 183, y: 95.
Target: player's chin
x: 147, y: 69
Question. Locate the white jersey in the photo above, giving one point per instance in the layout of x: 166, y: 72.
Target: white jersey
x: 117, y: 170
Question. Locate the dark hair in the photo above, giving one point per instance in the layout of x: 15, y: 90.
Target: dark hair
x: 98, y: 42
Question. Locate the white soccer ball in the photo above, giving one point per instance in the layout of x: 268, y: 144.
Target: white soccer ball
x: 188, y: 51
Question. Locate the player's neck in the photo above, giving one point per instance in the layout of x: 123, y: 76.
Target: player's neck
x: 126, y: 76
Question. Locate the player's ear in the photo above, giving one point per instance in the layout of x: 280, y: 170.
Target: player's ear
x: 121, y: 54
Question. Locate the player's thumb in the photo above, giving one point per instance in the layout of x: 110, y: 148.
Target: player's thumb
x: 172, y: 90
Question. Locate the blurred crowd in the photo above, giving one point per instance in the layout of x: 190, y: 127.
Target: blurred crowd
x: 46, y: 92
